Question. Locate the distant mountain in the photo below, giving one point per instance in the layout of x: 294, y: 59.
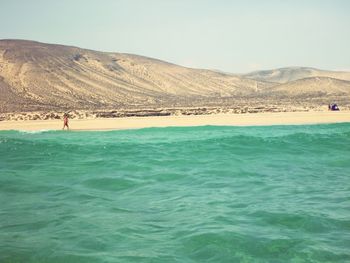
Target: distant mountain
x: 38, y: 76
x: 314, y: 87
x: 284, y: 75
x: 56, y: 76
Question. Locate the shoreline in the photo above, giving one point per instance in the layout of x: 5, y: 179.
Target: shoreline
x: 247, y: 119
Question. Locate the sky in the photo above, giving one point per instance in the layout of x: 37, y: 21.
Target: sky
x: 227, y: 35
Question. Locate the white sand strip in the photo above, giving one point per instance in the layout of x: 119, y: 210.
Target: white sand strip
x: 252, y: 119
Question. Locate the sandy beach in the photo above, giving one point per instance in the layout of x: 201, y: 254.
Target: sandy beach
x: 252, y: 119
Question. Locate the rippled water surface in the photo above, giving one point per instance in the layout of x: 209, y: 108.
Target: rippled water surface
x: 198, y: 194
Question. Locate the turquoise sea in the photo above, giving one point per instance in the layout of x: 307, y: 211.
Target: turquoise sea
x: 194, y: 194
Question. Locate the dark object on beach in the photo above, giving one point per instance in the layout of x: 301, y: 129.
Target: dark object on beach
x: 333, y: 107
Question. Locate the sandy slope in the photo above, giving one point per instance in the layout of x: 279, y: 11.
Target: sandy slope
x: 37, y: 76
x: 50, y: 76
x: 312, y: 87
x: 286, y: 118
x: 284, y: 75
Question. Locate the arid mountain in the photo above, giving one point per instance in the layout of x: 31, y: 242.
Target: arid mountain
x: 314, y: 87
x: 284, y: 75
x: 38, y: 76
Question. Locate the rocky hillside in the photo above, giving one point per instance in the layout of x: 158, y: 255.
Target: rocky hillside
x: 38, y: 76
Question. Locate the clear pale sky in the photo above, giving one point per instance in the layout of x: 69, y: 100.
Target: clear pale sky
x: 228, y: 35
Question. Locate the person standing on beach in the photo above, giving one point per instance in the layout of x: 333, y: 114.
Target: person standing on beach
x: 65, y: 121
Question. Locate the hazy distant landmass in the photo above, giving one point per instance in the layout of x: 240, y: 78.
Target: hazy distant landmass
x: 38, y: 76
x: 284, y: 75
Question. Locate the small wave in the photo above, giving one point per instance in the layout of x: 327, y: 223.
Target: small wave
x: 34, y: 132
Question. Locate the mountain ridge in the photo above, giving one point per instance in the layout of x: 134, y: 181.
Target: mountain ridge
x: 35, y: 76
x: 286, y: 74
